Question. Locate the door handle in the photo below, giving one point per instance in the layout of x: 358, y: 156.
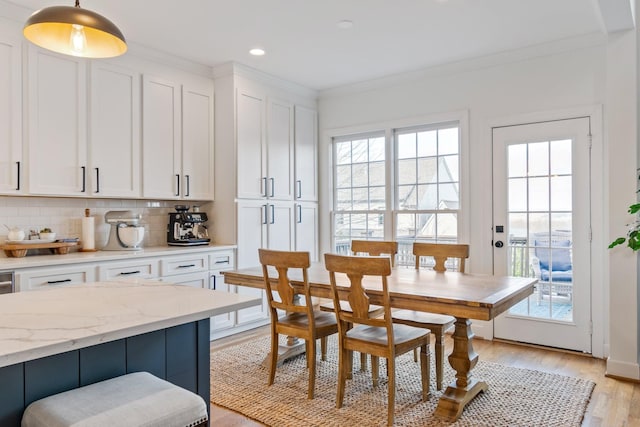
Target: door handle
x: 84, y: 179
x: 188, y: 184
x: 18, y: 182
x: 272, y: 186
x: 97, y: 180
x: 498, y: 244
x: 177, y: 185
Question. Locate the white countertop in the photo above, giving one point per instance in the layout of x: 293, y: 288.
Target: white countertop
x: 98, y: 256
x: 51, y: 321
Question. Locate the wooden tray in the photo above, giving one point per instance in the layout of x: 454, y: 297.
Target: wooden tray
x: 19, y: 250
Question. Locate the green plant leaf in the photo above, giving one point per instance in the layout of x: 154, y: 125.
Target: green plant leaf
x: 618, y: 241
x: 634, y: 208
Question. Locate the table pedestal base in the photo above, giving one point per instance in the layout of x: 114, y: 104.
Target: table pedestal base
x: 462, y: 359
x: 292, y: 348
x: 455, y: 398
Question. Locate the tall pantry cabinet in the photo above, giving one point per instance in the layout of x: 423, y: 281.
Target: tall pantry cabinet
x: 266, y: 169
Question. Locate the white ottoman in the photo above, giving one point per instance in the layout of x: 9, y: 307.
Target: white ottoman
x: 136, y: 399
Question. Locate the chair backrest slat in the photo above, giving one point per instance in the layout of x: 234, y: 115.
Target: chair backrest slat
x: 356, y: 268
x: 440, y: 253
x: 375, y: 248
x: 282, y: 262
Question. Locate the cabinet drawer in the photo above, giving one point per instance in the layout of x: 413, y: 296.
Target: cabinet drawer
x: 222, y: 260
x: 197, y: 280
x: 184, y: 264
x: 40, y: 279
x: 146, y: 268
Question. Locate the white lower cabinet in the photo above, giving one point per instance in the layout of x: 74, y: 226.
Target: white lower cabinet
x: 197, y: 280
x: 40, y: 278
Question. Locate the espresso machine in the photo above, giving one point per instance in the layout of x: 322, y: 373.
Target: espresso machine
x: 126, y: 234
x: 187, y: 228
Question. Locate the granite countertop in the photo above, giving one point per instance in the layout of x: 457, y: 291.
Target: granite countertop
x: 45, y: 322
x: 7, y: 263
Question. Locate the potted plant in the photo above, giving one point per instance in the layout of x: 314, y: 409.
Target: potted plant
x: 633, y: 235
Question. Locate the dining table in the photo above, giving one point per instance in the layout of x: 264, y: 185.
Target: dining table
x: 464, y: 296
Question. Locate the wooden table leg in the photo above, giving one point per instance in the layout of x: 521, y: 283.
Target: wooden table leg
x: 462, y: 360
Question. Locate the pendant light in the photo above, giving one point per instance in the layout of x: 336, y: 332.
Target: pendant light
x: 75, y: 31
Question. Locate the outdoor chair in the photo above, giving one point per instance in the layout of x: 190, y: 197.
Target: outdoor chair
x: 551, y: 264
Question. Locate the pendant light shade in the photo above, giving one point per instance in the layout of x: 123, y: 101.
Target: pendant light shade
x: 75, y: 31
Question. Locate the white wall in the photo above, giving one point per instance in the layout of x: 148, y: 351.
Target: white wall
x: 545, y: 79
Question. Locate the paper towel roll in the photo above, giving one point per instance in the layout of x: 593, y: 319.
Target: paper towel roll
x: 88, y: 234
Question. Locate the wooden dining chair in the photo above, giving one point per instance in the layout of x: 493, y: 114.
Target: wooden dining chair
x: 371, y: 248
x: 437, y: 323
x: 301, y: 321
x: 377, y: 336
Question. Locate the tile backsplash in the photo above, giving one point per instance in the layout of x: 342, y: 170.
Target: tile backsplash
x: 63, y: 216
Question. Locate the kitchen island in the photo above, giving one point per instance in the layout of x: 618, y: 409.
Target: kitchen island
x: 58, y: 339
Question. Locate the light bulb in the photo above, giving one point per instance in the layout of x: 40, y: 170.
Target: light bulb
x: 78, y: 39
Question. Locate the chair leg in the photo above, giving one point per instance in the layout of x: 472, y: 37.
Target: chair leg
x: 274, y: 357
x: 424, y: 371
x: 439, y: 350
x: 415, y: 355
x: 312, y: 367
x: 391, y: 364
x: 375, y: 369
x: 342, y: 375
x: 323, y: 348
x: 363, y: 361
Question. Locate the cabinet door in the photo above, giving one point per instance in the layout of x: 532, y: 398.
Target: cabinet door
x: 306, y: 154
x: 280, y: 226
x: 252, y: 220
x: 11, y: 164
x: 197, y: 142
x: 251, y: 175
x: 161, y: 175
x: 196, y: 280
x: 114, y: 139
x: 306, y: 229
x: 57, y: 124
x: 279, y: 150
x: 226, y: 320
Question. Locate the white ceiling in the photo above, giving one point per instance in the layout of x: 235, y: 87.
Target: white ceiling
x: 305, y: 45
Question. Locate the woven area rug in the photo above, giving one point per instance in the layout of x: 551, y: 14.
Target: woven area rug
x: 516, y: 397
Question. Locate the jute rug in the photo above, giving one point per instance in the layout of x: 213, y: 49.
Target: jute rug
x: 516, y: 397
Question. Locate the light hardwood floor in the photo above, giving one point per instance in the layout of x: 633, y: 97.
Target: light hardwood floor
x: 613, y: 403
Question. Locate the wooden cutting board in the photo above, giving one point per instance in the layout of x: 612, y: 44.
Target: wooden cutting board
x: 19, y: 250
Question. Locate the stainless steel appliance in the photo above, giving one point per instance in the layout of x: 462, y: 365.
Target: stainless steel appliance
x: 187, y: 228
x: 6, y: 282
x: 126, y: 234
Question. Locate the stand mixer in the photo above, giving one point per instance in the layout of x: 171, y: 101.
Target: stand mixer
x: 125, y: 233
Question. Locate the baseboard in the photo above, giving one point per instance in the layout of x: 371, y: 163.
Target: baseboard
x: 622, y: 370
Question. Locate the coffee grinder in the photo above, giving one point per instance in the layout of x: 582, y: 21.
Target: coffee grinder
x: 187, y: 228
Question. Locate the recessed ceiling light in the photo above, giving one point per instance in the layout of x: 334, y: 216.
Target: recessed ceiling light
x: 345, y: 24
x: 256, y: 51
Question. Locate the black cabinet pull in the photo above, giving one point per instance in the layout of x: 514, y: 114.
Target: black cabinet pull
x: 84, y: 179
x: 97, y: 180
x: 53, y: 282
x: 273, y: 214
x: 186, y: 266
x: 186, y: 178
x: 264, y: 214
x: 226, y: 261
x: 126, y: 273
x: 264, y: 186
x: 299, y: 185
x: 272, y: 185
x: 177, y: 184
x: 18, y: 186
x: 299, y: 214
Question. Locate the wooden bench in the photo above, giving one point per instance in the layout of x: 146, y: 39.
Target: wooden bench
x: 136, y: 399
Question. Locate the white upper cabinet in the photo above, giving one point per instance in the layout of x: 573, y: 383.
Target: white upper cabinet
x: 197, y: 141
x: 251, y: 145
x: 279, y: 150
x: 11, y: 162
x: 114, y: 125
x: 177, y: 142
x: 306, y: 154
x: 57, y: 87
x: 161, y: 106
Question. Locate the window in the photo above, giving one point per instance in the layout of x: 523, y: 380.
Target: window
x: 423, y: 202
x: 427, y: 183
x: 359, y: 189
